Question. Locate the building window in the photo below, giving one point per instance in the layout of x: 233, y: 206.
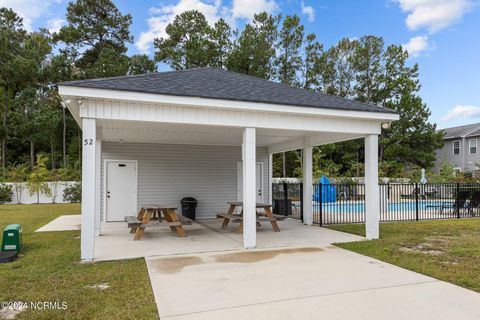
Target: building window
x: 472, y: 144
x: 456, y: 147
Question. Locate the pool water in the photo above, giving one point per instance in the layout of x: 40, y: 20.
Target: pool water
x: 359, y: 207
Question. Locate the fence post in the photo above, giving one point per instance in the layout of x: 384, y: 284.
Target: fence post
x: 301, y: 201
x: 456, y: 202
x: 321, y: 204
x: 416, y: 190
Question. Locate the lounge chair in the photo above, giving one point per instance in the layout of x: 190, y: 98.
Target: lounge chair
x: 474, y: 203
x: 412, y: 195
x: 461, y: 202
x: 431, y: 193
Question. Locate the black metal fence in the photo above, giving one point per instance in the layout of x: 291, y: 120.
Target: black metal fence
x: 345, y: 203
x: 338, y: 203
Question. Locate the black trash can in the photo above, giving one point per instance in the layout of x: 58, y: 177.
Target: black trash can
x: 189, y: 205
x: 282, y: 207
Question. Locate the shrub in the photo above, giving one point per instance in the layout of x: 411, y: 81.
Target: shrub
x: 18, y: 174
x: 3, y: 174
x: 73, y: 193
x: 56, y: 177
x: 37, y: 179
x: 6, y: 193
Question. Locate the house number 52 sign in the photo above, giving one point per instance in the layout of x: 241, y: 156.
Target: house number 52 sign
x: 88, y: 142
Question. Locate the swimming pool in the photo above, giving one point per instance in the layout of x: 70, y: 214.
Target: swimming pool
x: 359, y: 207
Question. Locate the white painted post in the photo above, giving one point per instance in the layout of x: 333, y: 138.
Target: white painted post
x: 372, y: 201
x: 88, y: 188
x: 270, y: 177
x: 307, y: 182
x: 98, y: 166
x: 249, y: 189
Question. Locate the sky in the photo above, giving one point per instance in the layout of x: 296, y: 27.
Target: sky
x: 442, y: 36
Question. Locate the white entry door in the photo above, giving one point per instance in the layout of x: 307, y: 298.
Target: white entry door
x: 121, y: 189
x: 259, y: 182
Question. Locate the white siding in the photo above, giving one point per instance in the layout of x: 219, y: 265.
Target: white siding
x: 167, y: 173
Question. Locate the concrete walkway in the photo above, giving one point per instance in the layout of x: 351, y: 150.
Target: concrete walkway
x: 63, y: 223
x: 322, y: 282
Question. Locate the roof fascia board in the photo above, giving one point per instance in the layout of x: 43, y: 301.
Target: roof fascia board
x: 220, y: 103
x: 164, y: 113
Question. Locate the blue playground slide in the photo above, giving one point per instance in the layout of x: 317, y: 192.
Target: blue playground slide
x: 328, y: 191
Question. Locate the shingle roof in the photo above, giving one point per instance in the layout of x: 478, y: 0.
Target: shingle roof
x: 213, y: 83
x: 469, y: 130
x: 474, y: 133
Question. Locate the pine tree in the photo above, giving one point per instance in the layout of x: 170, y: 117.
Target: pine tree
x: 12, y: 35
x: 337, y: 69
x: 141, y: 64
x: 312, y: 59
x: 221, y: 35
x: 369, y: 67
x: 96, y: 37
x: 289, y: 59
x: 412, y: 139
x: 188, y: 43
x: 253, y: 52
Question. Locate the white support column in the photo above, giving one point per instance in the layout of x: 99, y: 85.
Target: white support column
x: 307, y: 183
x: 98, y: 166
x: 372, y: 197
x: 249, y: 189
x: 270, y: 177
x: 88, y: 188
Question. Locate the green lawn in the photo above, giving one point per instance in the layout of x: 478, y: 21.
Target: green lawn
x: 448, y: 250
x: 49, y: 270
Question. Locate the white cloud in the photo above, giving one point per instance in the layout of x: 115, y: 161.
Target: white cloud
x: 308, y: 11
x: 462, y: 112
x: 213, y: 10
x: 433, y: 15
x: 246, y: 9
x: 54, y: 25
x: 30, y: 10
x: 416, y: 45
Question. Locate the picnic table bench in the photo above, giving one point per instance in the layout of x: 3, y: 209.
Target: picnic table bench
x: 267, y: 215
x: 144, y: 220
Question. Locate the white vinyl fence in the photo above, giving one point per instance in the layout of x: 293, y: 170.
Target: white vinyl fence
x: 21, y: 194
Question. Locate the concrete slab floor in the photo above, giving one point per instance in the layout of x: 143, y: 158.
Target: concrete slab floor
x: 300, y: 283
x: 116, y: 243
x: 63, y: 223
x: 292, y: 233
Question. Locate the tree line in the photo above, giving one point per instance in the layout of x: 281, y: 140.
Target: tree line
x: 94, y: 44
x: 365, y: 70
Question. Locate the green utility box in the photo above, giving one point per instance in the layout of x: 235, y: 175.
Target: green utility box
x: 12, y: 238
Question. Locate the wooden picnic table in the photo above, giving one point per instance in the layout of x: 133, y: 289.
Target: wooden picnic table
x: 266, y: 215
x: 144, y: 217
